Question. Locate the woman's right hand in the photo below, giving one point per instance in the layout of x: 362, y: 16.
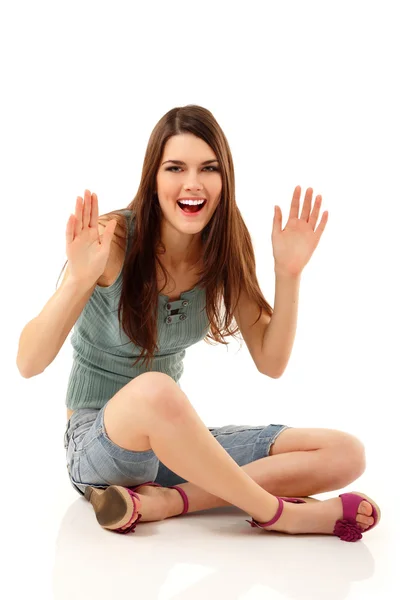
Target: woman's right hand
x: 87, y: 255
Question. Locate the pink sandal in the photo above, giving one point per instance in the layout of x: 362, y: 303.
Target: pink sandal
x: 113, y: 505
x: 347, y: 528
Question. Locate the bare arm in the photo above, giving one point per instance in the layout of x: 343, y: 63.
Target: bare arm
x: 278, y: 338
x: 42, y: 338
x: 88, y: 255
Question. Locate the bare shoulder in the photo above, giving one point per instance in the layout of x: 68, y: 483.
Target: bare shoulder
x: 117, y: 248
x: 120, y: 229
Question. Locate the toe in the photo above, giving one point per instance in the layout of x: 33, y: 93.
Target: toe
x: 364, y: 517
x: 365, y: 508
x: 363, y: 520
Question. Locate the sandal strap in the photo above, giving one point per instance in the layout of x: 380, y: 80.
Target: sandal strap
x: 174, y: 487
x: 351, y: 502
x: 184, y: 498
x: 278, y: 513
x: 255, y: 523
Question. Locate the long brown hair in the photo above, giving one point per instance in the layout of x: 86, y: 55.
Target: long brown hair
x: 228, y: 255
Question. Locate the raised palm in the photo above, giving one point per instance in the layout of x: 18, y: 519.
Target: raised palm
x: 86, y: 250
x: 295, y: 244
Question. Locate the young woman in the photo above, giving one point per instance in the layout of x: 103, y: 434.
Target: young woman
x: 175, y: 266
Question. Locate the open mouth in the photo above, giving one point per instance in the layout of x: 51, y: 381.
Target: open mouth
x: 191, y: 209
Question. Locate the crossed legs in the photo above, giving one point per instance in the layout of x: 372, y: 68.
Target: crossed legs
x: 155, y: 414
x: 302, y: 462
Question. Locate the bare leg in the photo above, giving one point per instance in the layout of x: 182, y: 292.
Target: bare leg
x: 183, y: 443
x: 302, y: 462
x: 293, y: 474
x: 166, y: 422
x: 267, y: 472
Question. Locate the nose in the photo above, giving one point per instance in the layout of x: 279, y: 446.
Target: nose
x: 193, y: 182
x: 193, y: 186
x: 189, y: 188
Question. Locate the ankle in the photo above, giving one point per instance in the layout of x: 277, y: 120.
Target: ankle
x: 175, y: 503
x: 266, y: 516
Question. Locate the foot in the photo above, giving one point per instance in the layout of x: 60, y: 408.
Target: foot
x: 154, y: 503
x: 318, y: 517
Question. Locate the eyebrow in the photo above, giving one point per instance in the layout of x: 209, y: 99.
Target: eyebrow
x: 180, y: 162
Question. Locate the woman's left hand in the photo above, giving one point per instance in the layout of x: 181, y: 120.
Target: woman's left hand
x: 294, y: 245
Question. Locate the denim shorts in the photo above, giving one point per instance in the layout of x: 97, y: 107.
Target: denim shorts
x: 93, y: 459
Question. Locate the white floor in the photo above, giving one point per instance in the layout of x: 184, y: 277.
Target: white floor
x: 55, y: 549
x: 59, y: 551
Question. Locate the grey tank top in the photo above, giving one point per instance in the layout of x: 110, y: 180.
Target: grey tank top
x: 103, y: 354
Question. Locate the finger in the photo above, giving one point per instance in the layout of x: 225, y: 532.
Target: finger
x: 69, y: 232
x: 320, y: 229
x: 78, y: 215
x: 294, y: 207
x: 277, y: 222
x: 315, y: 213
x: 94, y: 216
x: 87, y: 209
x: 305, y: 213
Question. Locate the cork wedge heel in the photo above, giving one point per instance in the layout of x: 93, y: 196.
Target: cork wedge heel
x: 113, y: 507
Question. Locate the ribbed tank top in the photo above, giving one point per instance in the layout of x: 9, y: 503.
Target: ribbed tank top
x: 103, y: 354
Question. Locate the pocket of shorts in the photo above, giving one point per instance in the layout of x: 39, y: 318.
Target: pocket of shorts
x: 75, y: 477
x: 77, y: 434
x: 76, y: 484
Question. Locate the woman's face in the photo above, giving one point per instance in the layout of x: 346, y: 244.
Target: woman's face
x: 189, y: 180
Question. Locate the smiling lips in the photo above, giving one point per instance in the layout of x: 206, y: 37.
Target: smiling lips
x: 191, y: 206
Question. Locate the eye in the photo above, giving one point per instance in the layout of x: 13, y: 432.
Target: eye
x: 213, y: 168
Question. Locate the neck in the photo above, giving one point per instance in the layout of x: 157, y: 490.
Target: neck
x: 183, y: 251
x: 178, y: 264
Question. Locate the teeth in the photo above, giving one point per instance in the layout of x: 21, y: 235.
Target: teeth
x: 191, y: 202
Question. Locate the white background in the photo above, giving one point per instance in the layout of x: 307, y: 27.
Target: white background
x: 307, y: 94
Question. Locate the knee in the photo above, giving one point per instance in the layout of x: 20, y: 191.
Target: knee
x: 352, y: 459
x: 162, y: 394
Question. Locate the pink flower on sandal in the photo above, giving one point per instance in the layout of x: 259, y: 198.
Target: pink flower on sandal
x: 347, y: 531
